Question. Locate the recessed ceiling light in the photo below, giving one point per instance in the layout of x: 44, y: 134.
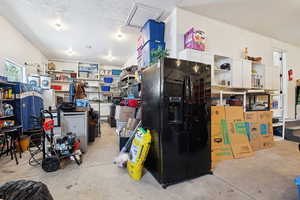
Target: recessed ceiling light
x: 70, y: 52
x: 120, y: 35
x: 178, y: 62
x: 58, y: 25
x: 109, y: 57
x: 196, y: 68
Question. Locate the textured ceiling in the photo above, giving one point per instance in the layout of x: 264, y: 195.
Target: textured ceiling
x: 89, y: 22
x: 96, y: 22
x: 278, y: 19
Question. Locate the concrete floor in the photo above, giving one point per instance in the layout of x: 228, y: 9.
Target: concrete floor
x: 267, y: 175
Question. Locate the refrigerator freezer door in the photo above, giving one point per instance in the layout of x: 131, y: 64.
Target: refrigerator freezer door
x: 174, y: 137
x: 186, y: 143
x: 198, y: 119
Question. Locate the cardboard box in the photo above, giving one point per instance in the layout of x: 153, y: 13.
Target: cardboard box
x: 222, y: 153
x: 264, y: 116
x: 132, y: 123
x: 220, y: 142
x: 239, y: 140
x: 266, y: 132
x: 251, y: 117
x: 123, y: 113
x: 254, y: 136
x: 234, y: 113
x: 220, y: 136
x: 217, y: 114
x: 267, y: 141
x: 260, y: 129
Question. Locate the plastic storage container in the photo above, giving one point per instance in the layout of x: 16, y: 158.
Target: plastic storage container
x: 149, y: 47
x: 297, y: 181
x: 133, y: 103
x: 105, y: 88
x: 34, y: 81
x: 154, y: 31
x: 56, y: 87
x: 45, y: 82
x: 116, y: 72
x: 108, y: 80
x: 194, y: 39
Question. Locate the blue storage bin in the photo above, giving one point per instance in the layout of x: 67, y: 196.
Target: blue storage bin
x: 153, y: 30
x: 116, y: 72
x: 82, y: 103
x: 147, y: 49
x: 105, y: 88
x: 108, y: 80
x: 297, y: 181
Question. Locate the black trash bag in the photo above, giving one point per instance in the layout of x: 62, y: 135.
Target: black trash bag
x: 25, y: 190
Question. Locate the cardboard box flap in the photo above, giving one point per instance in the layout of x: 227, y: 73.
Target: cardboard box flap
x: 251, y: 116
x: 264, y: 116
x: 240, y: 145
x: 217, y: 114
x: 254, y: 136
x: 234, y: 113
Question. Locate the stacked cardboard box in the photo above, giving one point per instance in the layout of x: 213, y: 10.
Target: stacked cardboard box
x: 260, y: 129
x: 220, y: 140
x: 235, y: 134
x: 238, y: 132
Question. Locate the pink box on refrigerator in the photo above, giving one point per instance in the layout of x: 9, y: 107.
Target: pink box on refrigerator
x: 195, y: 39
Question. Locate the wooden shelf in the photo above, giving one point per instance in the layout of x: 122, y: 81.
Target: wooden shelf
x: 60, y: 72
x: 221, y: 86
x: 92, y: 86
x: 58, y: 81
x: 117, y: 76
x: 221, y: 70
x: 62, y: 91
x: 87, y: 79
x: 92, y: 91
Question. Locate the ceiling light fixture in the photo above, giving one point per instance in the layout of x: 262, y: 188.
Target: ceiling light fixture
x: 58, y: 25
x: 109, y: 57
x: 196, y: 68
x: 120, y: 35
x: 70, y: 52
x: 178, y: 62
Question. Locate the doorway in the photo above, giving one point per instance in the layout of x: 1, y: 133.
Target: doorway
x: 280, y: 62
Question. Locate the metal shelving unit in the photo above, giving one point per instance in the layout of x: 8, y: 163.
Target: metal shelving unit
x: 283, y: 120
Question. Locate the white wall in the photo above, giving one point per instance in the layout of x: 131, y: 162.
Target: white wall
x: 170, y: 33
x: 132, y: 60
x: 228, y: 40
x: 65, y: 65
x: 14, y: 46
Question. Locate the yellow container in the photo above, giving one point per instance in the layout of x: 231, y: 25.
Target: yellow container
x: 24, y: 142
x: 138, y: 153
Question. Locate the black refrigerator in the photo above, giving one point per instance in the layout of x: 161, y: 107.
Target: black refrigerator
x: 176, y: 96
